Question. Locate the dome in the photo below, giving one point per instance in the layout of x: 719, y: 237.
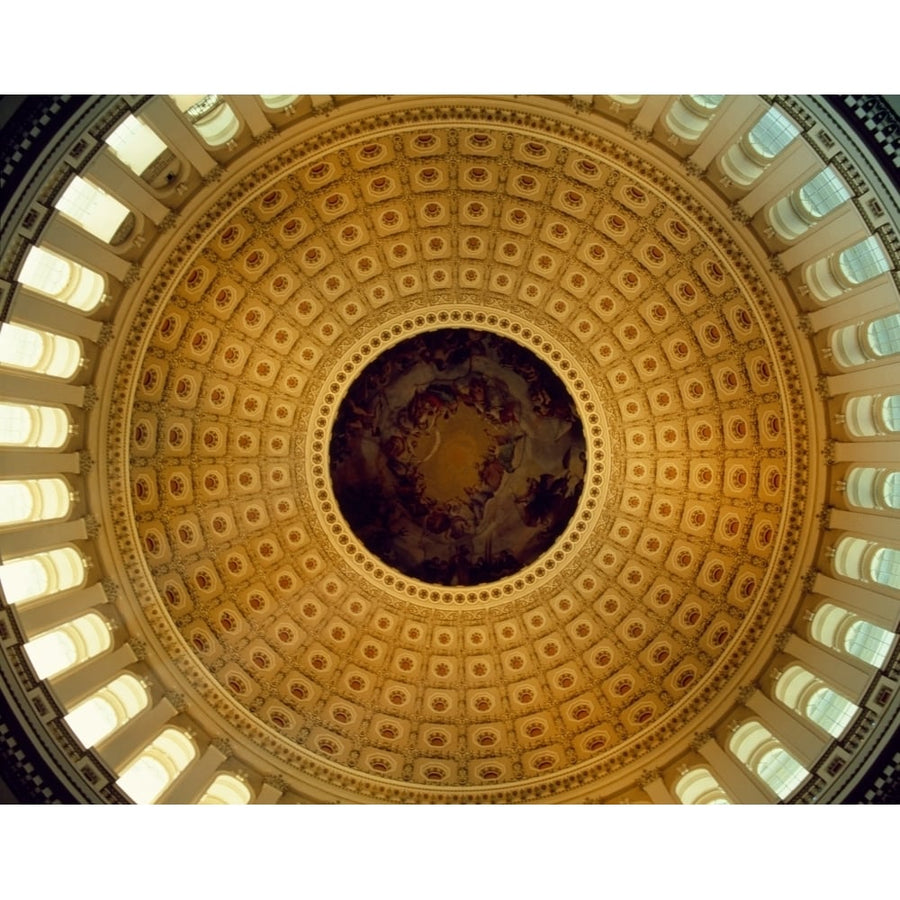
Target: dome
x: 451, y: 449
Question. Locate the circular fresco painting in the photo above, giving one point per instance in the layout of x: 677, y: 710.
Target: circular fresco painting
x: 458, y: 457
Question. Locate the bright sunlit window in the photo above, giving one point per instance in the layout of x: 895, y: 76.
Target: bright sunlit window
x: 30, y: 425
x: 868, y: 642
x: 157, y: 766
x: 33, y: 350
x: 830, y: 710
x: 33, y: 500
x: 885, y: 568
x: 68, y: 282
x: 884, y: 335
x: 93, y: 209
x: 29, y: 577
x: 863, y: 261
x: 772, y: 133
x: 805, y: 693
x: 820, y: 195
x: 780, y: 771
x: 211, y: 116
x: 68, y: 645
x: 108, y: 709
x: 226, y: 789
x: 136, y: 144
x: 700, y: 787
x: 758, y: 749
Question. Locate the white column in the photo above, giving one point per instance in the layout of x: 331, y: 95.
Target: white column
x: 168, y: 123
x: 248, y: 107
x: 867, y: 451
x: 73, y: 242
x: 42, y: 615
x: 798, y: 737
x: 34, y: 463
x: 80, y: 683
x: 37, y: 537
x: 732, y: 775
x: 267, y: 794
x: 108, y: 172
x: 658, y: 792
x: 120, y: 748
x: 650, y: 111
x: 866, y: 301
x: 885, y: 527
x: 866, y: 378
x: 791, y: 169
x: 727, y: 127
x: 192, y: 783
x: 837, y: 671
x: 843, y: 228
x: 40, y: 389
x: 875, y: 607
x: 30, y: 308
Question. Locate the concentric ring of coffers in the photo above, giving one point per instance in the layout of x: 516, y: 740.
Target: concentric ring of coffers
x: 277, y: 300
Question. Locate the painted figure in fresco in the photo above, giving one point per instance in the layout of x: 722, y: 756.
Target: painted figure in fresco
x: 546, y: 501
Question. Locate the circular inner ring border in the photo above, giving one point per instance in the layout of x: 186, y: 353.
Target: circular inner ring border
x: 314, y: 452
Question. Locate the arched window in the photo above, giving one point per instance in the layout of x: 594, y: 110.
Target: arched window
x: 95, y: 211
x: 157, y: 766
x: 850, y: 557
x: 884, y: 335
x: 29, y: 577
x: 890, y: 412
x: 854, y: 345
x: 838, y: 628
x: 690, y: 115
x: 33, y: 350
x: 69, y: 645
x: 863, y: 261
x: 212, y: 118
x: 838, y: 273
x: 772, y: 133
x: 33, y: 500
x: 870, y: 487
x: 136, y: 144
x: 823, y: 193
x: 746, y: 160
x: 30, y: 425
x: 795, y: 214
x: 278, y: 101
x: 885, y: 567
x: 867, y: 561
x: 700, y: 787
x: 226, y: 789
x: 872, y: 415
x: 96, y: 718
x: 61, y: 279
x: 830, y: 710
x: 758, y: 749
x: 707, y: 101
x: 868, y: 642
x: 800, y: 690
x: 888, y: 489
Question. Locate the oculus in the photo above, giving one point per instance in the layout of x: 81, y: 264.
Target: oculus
x: 458, y: 457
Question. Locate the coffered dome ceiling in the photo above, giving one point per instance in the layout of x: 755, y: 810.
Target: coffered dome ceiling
x: 360, y: 287
x: 457, y: 450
